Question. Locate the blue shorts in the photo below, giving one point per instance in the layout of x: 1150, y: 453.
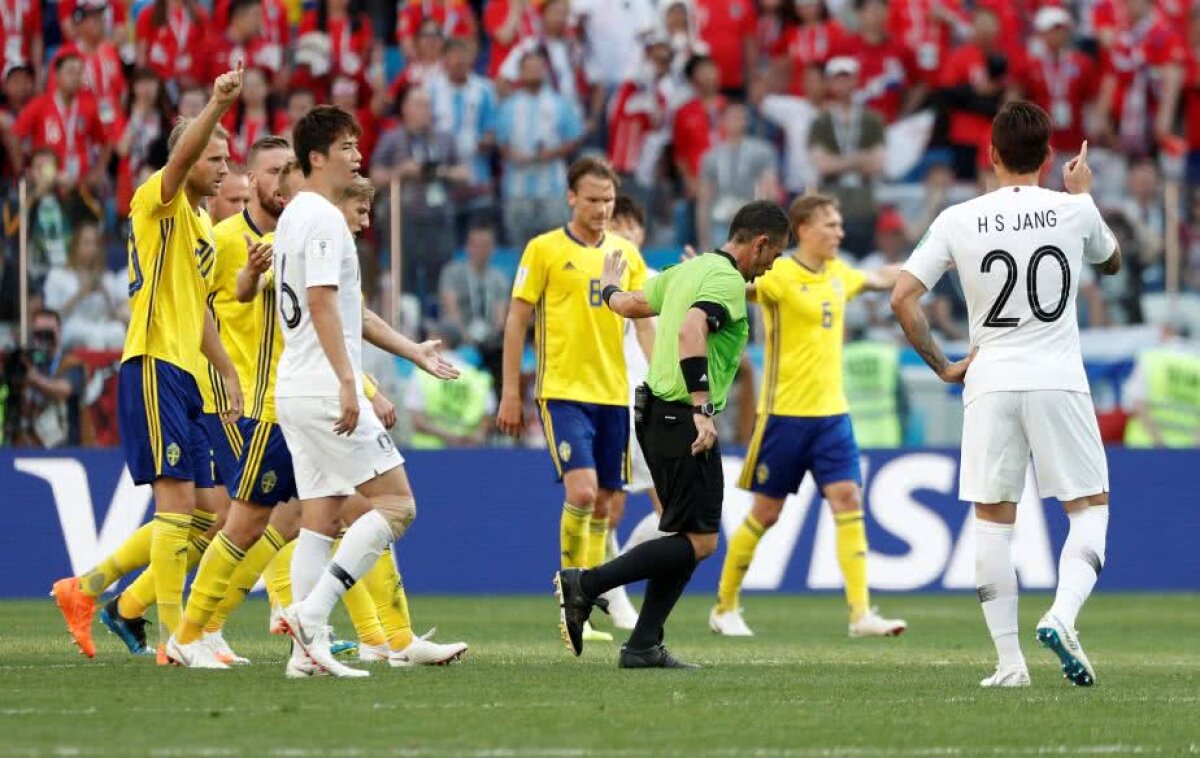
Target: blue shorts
x: 588, y: 435
x: 226, y: 443
x: 785, y: 448
x: 158, y: 417
x: 264, y: 476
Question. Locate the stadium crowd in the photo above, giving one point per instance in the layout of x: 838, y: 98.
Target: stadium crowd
x: 477, y: 107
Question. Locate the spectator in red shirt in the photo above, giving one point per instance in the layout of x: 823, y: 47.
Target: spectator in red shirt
x: 926, y: 28
x: 116, y: 20
x: 274, y: 33
x: 147, y: 125
x: 565, y: 56
x: 507, y: 22
x: 813, y: 41
x: 299, y: 102
x: 454, y: 18
x: 637, y: 109
x: 729, y: 28
x: 253, y: 117
x: 347, y: 94
x: 695, y: 129
x: 1192, y: 117
x: 21, y: 30
x: 103, y: 72
x: 1143, y: 79
x: 344, y: 30
x: 16, y: 92
x: 1061, y: 79
x: 775, y: 19
x: 426, y: 64
x: 973, y: 83
x: 66, y: 121
x: 890, y: 84
x: 169, y: 34
x: 241, y: 39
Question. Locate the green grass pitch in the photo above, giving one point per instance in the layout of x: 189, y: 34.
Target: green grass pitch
x: 800, y: 688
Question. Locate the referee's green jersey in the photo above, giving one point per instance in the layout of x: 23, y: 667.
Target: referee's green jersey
x: 709, y: 278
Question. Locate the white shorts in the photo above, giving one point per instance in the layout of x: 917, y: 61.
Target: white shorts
x: 639, y: 472
x: 328, y: 464
x: 1002, y: 429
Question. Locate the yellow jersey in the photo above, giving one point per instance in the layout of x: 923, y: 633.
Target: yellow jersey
x: 260, y: 401
x: 171, y: 261
x: 580, y: 342
x: 803, y: 312
x: 236, y: 321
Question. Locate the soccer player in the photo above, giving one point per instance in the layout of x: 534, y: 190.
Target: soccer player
x: 171, y: 256
x: 803, y: 417
x: 337, y: 444
x: 582, y: 390
x: 702, y: 331
x: 1020, y: 251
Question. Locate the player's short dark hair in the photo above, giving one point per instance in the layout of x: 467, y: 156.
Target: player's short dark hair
x: 627, y: 207
x: 591, y: 165
x: 1021, y: 135
x: 264, y: 144
x: 803, y: 208
x: 759, y: 217
x: 318, y: 130
x: 181, y: 125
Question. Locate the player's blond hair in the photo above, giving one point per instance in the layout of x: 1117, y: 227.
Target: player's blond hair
x: 805, y: 207
x: 360, y: 189
x: 181, y: 125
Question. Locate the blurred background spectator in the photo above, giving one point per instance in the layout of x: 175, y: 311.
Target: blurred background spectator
x: 475, y: 108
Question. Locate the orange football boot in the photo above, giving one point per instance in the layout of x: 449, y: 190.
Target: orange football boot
x: 77, y: 609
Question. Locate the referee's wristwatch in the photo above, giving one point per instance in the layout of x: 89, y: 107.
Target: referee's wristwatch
x: 705, y: 409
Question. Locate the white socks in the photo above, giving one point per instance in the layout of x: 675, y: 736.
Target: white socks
x: 1080, y: 563
x: 361, y: 547
x: 996, y: 583
x: 308, y: 561
x: 646, y: 530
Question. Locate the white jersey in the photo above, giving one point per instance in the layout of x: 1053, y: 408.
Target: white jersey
x: 1020, y: 253
x: 314, y: 248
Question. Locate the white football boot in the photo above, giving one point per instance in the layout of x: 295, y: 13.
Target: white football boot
x: 1064, y: 643
x: 1009, y: 676
x: 729, y: 623
x: 300, y: 666
x: 194, y: 655
x: 423, y: 651
x: 314, y: 639
x: 221, y: 649
x: 373, y: 653
x: 871, y: 624
x: 624, y: 615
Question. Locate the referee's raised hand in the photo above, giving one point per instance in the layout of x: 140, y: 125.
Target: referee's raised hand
x: 614, y: 268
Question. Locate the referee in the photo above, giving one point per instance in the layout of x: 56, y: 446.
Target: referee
x: 702, y: 330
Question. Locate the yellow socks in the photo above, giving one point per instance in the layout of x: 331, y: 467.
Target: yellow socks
x: 202, y: 521
x: 572, y: 535
x: 852, y: 557
x: 243, y: 579
x: 210, y: 587
x: 391, y: 604
x: 742, y: 545
x: 132, y: 554
x: 361, y: 607
x: 279, y: 576
x: 168, y: 563
x: 597, y: 542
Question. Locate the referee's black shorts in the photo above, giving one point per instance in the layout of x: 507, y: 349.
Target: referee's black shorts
x: 690, y: 487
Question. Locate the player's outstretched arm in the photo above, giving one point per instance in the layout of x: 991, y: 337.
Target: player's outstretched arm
x: 424, y: 355
x: 215, y: 352
x: 620, y: 302
x: 906, y: 304
x: 881, y: 279
x: 249, y: 280
x: 510, y: 417
x: 195, y: 138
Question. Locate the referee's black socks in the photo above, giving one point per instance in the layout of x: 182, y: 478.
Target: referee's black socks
x: 669, y: 557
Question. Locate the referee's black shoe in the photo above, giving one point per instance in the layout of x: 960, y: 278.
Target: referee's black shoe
x: 657, y: 657
x: 574, y: 607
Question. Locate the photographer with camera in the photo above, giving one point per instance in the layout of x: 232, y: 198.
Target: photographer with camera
x: 43, y: 389
x: 427, y: 163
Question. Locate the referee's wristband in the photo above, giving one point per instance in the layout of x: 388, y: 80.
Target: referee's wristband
x: 695, y: 373
x: 607, y: 293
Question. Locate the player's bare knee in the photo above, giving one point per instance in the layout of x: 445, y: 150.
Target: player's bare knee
x: 844, y: 497
x: 582, y: 495
x: 703, y: 545
x: 997, y: 513
x: 398, y: 510
x: 766, y: 512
